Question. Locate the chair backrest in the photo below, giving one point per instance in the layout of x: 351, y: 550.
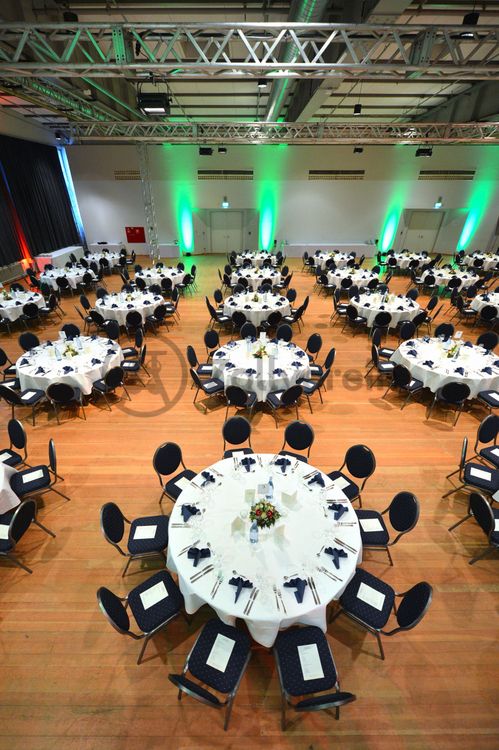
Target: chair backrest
x: 291, y: 395
x: 248, y: 330
x: 112, y: 607
x: 236, y: 430
x: 28, y: 341
x: 299, y: 436
x: 407, y: 330
x: 113, y: 329
x: 112, y: 523
x: 101, y: 292
x: 412, y: 294
x: 114, y: 377
x: 401, y: 376
x: 488, y: 429
x: 191, y: 356
x: 432, y: 303
x: 360, y: 461
x: 329, y: 361
x: 374, y: 355
x: 71, y: 331
x: 12, y: 397
x: 17, y: 434
x: 167, y: 458
x: 274, y: 318
x: 404, y: 512
x: 455, y: 392
x: 238, y: 318
x: 61, y: 393
x: 24, y: 514
x: 488, y: 340
x: 488, y: 313
x: 236, y: 396
x: 284, y: 332
x: 134, y: 318
x: 314, y: 343
x: 464, y: 451
x: 382, y: 319
x: 482, y: 512
x: 444, y: 329
x: 419, y: 318
x: 414, y: 605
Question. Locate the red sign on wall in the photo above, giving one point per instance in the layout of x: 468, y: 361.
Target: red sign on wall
x: 135, y: 234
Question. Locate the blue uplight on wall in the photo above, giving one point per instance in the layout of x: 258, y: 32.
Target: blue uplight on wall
x: 68, y: 179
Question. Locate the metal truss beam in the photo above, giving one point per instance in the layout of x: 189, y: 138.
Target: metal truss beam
x: 238, y: 50
x: 279, y: 132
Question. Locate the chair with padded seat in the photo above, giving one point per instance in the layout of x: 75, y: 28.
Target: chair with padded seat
x: 132, y: 352
x: 339, y: 308
x: 151, y: 619
x: 403, y: 513
x: 360, y: 463
x: 402, y: 379
x: 382, y: 322
x: 487, y: 432
x: 18, y: 440
x: 112, y: 329
x: 314, y: 386
x: 159, y: 317
x: 113, y: 379
x: 382, y: 368
x: 369, y: 602
x: 488, y: 339
x: 71, y: 330
x: 132, y: 367
x: 35, y: 481
x: 203, y: 369
x: 17, y: 521
x: 28, y: 341
x: 236, y: 431
x: 166, y: 460
x: 300, y: 437
x: 300, y: 692
x: 64, y: 396
x: 454, y: 394
x: 284, y: 332
x: 353, y: 319
x: 240, y: 399
x: 248, y: 330
x: 473, y: 475
x: 133, y: 321
x: 147, y: 535
x: 211, y: 387
x: 11, y: 370
x: 317, y: 370
x: 313, y: 346
x: 488, y: 520
x: 212, y: 342
x: 30, y: 397
x: 284, y: 399
x: 199, y: 678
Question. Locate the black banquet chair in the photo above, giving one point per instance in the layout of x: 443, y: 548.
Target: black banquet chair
x: 199, y: 678
x: 451, y: 394
x: 19, y: 441
x: 369, y: 602
x: 31, y: 397
x: 300, y: 437
x: 236, y: 431
x: 147, y: 536
x: 285, y: 399
x: 64, y: 395
x: 113, y: 379
x: 403, y: 513
x: 166, y: 460
x: 240, y: 399
x: 314, y: 694
x: 360, y: 463
x: 18, y: 521
x: 474, y: 475
x: 38, y: 480
x: 149, y: 620
x: 210, y: 387
x: 488, y: 520
x: 28, y: 341
x: 402, y: 378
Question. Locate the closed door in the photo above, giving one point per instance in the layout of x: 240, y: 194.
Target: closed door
x: 423, y: 230
x: 226, y: 231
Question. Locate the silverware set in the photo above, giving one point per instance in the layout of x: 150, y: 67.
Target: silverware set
x: 186, y: 549
x: 346, y: 546
x: 180, y: 525
x: 216, y: 586
x: 328, y: 573
x: 201, y: 573
x: 251, y: 601
x: 313, y: 589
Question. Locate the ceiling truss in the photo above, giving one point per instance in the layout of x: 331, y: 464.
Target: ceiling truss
x: 237, y: 50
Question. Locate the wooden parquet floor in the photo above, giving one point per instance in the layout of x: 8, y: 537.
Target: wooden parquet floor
x: 69, y: 681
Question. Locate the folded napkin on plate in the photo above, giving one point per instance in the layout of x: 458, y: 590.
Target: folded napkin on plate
x: 241, y: 583
x: 290, y: 345
x: 229, y: 366
x: 48, y: 343
x: 248, y: 462
x: 197, y: 554
x: 428, y: 363
x: 247, y: 307
x: 410, y: 343
x: 468, y: 343
x: 487, y: 370
x: 114, y: 305
x: 147, y: 302
x: 336, y: 554
x: 367, y: 304
x: 339, y: 509
x: 188, y: 511
x: 221, y: 354
x: 278, y: 304
x: 400, y: 296
x: 283, y: 463
x: 207, y: 477
x: 381, y: 307
x: 94, y: 337
x: 485, y: 297
x: 129, y: 307
x: 233, y: 304
x: 299, y: 584
x: 410, y: 304
x: 40, y: 371
x: 156, y: 299
x: 265, y: 307
x: 96, y: 361
x: 459, y: 370
x: 296, y: 364
x: 317, y: 478
x: 109, y: 352
x: 496, y: 363
x: 300, y: 354
x: 67, y: 369
x: 278, y: 371
x: 400, y: 307
x: 412, y: 353
x: 17, y: 302
x: 250, y: 371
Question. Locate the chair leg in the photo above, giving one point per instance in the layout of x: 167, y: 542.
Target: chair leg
x: 228, y: 712
x: 389, y: 555
x: 309, y: 404
x: 454, y: 489
x: 126, y: 566
x: 19, y: 563
x: 146, y: 641
x: 58, y: 492
x: 44, y: 528
x: 479, y: 557
x: 378, y: 637
x: 462, y: 520
x: 283, y: 712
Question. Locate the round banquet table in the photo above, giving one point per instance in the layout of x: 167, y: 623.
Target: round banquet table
x: 156, y: 275
x: 489, y: 261
x: 256, y: 277
x: 257, y: 259
x: 117, y: 306
x: 40, y: 367
x: 113, y: 258
x: 443, y: 276
x: 340, y: 259
x: 470, y: 361
x: 403, y: 259
x: 12, y: 308
x: 257, y: 307
x: 481, y: 300
x: 294, y: 547
x: 258, y: 374
x: 359, y: 276
x: 73, y: 275
x: 399, y: 307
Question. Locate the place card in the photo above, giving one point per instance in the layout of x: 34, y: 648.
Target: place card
x: 183, y: 483
x: 458, y: 334
x: 310, y: 662
x: 145, y: 532
x: 28, y: 395
x: 370, y: 596
x: 496, y: 525
x: 341, y: 483
x: 237, y: 526
x: 32, y: 475
x: 4, y: 531
x: 209, y: 384
x: 4, y: 456
x: 155, y: 594
x: 480, y: 474
x: 249, y: 495
x: 220, y: 653
x: 370, y: 524
x: 288, y: 499
x: 495, y: 396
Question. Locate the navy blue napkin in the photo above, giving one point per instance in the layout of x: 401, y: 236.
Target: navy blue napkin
x: 278, y: 304
x: 250, y: 371
x: 487, y: 370
x: 17, y: 302
x: 114, y: 305
x: 485, y: 297
x: 290, y: 345
x: 129, y: 307
x: 335, y: 554
x: 278, y: 371
x: 156, y: 299
x: 146, y: 302
x: 400, y: 307
x: 265, y: 307
x: 96, y: 361
x: 188, y: 511
x: 197, y: 554
x: 299, y: 584
x: 496, y: 363
x: 283, y: 463
x: 410, y: 304
x: 40, y: 371
x: 248, y: 462
x: 241, y: 584
x: 67, y: 369
x: 428, y: 363
x: 412, y: 353
x: 317, y: 478
x: 109, y: 352
x: 367, y: 304
x: 221, y: 354
x: 300, y: 354
x: 296, y: 364
x: 233, y: 304
x: 207, y: 477
x: 460, y: 370
x: 247, y: 307
x: 229, y: 366
x: 381, y: 307
x: 410, y: 343
x: 339, y: 509
x: 94, y: 337
x: 468, y: 343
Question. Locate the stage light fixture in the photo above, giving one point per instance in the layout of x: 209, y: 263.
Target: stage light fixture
x: 225, y: 202
x: 262, y: 83
x: 469, y: 19
x: 357, y: 110
x: 358, y: 150
x: 222, y: 149
x: 438, y: 203
x: 426, y: 151
x: 205, y: 151
x: 153, y: 103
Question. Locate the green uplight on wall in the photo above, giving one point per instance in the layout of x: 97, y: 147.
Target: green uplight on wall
x: 389, y: 229
x: 268, y: 208
x: 185, y: 225
x: 479, y: 201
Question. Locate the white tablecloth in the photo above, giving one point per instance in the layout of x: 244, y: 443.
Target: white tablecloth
x: 260, y: 308
x: 294, y: 547
x: 257, y: 259
x: 13, y: 308
x: 113, y: 258
x: 263, y: 380
x: 471, y: 358
x: 489, y: 260
x: 117, y: 306
x: 369, y: 305
x: 340, y: 259
x: 256, y: 277
x: 58, y: 257
x: 481, y: 300
x: 361, y: 277
x: 114, y: 247
x: 8, y: 498
x: 442, y: 277
x: 403, y: 259
x: 156, y: 275
x: 73, y: 275
x: 84, y: 371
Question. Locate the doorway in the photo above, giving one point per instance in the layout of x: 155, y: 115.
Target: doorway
x: 422, y: 230
x: 226, y: 231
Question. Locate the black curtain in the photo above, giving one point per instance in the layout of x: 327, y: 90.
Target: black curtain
x: 39, y: 194
x: 9, y: 247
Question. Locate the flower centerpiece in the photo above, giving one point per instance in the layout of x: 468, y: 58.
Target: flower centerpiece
x: 6, y: 295
x: 260, y: 352
x: 255, y: 298
x: 264, y: 513
x: 70, y: 351
x: 452, y: 350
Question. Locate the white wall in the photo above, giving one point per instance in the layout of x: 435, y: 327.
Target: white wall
x: 308, y: 211
x: 19, y: 127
